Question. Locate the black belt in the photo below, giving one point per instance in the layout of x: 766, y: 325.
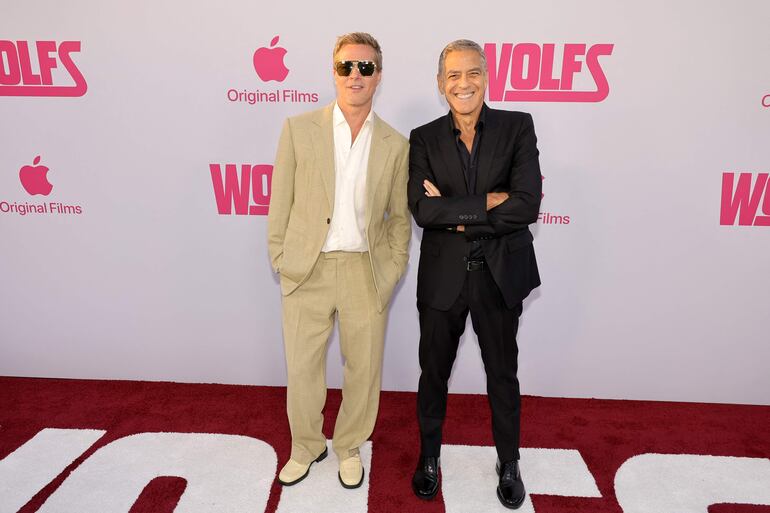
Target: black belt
x: 475, y: 265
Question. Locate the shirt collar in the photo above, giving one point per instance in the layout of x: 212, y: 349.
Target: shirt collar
x: 479, y: 123
x: 338, y: 117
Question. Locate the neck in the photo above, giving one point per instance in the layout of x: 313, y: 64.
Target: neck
x: 466, y: 122
x: 355, y: 115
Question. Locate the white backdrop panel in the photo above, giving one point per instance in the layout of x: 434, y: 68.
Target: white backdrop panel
x: 645, y: 295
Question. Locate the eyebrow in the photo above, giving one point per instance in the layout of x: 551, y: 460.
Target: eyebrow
x: 450, y: 71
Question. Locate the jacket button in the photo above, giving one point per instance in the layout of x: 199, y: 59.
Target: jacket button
x: 328, y: 221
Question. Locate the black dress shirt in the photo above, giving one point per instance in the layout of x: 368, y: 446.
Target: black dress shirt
x: 469, y: 161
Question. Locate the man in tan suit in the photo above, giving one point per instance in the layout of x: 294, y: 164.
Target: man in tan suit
x: 338, y: 234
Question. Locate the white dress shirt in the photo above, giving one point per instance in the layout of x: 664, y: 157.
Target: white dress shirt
x: 348, y: 225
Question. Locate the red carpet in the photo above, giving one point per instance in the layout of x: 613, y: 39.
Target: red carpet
x: 606, y: 434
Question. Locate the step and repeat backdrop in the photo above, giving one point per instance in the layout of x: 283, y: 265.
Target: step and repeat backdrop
x: 136, y: 150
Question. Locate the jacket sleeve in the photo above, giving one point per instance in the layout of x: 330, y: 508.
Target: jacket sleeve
x: 524, y: 189
x: 438, y: 212
x: 281, y: 196
x: 399, y: 226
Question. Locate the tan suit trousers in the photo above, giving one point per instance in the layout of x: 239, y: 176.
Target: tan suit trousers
x: 340, y: 284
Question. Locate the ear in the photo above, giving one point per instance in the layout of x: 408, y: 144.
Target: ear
x: 440, y: 84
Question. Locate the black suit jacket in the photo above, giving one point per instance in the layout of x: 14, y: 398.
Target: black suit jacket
x: 507, y: 161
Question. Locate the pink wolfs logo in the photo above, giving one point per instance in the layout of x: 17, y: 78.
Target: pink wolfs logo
x: 26, y: 68
x: 741, y: 199
x: 524, y: 72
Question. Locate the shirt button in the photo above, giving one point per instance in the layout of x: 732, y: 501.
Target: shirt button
x: 328, y: 221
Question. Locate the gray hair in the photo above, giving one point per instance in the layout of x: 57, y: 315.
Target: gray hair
x: 460, y: 45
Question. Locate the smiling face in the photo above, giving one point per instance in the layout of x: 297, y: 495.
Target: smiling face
x: 356, y: 91
x: 463, y: 82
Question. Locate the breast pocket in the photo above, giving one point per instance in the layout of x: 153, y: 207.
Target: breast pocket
x: 502, y: 163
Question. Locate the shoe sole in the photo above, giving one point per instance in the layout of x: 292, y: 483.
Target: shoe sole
x: 511, y: 506
x: 354, y: 486
x: 426, y: 497
x: 320, y: 458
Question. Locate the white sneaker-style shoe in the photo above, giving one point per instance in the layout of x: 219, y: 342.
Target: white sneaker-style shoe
x: 351, y: 472
x: 294, y: 472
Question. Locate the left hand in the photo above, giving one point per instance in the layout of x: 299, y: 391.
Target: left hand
x: 431, y: 190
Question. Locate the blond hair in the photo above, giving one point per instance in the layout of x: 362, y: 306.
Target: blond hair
x: 359, y: 38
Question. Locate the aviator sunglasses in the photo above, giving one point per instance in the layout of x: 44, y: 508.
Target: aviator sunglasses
x: 344, y: 68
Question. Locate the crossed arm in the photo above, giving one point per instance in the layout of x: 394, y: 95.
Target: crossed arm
x: 493, y: 198
x: 479, y: 215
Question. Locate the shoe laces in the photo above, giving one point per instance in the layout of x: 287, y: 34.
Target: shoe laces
x: 509, y: 471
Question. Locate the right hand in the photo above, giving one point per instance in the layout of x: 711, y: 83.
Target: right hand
x: 495, y: 198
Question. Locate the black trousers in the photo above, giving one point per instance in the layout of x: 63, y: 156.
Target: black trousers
x: 496, y: 327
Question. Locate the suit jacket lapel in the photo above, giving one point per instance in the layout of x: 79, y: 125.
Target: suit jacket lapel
x: 486, y: 152
x: 323, y: 145
x: 378, y: 158
x: 454, y: 169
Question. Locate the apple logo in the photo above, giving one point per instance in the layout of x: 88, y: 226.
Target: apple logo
x: 268, y: 62
x: 34, y: 178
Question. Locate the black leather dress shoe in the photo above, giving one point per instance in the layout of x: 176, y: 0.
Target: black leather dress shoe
x: 510, y: 491
x: 426, y: 479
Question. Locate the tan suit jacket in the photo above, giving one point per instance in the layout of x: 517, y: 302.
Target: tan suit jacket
x: 302, y: 201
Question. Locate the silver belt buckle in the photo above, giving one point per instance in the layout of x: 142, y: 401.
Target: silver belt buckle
x: 474, y: 265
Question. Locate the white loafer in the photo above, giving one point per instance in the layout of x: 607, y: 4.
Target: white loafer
x: 351, y: 472
x: 294, y: 472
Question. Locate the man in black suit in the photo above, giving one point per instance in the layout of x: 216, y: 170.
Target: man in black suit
x: 474, y: 187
